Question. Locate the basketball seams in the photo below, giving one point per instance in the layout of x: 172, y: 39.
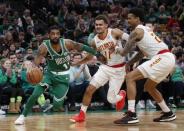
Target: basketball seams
x: 34, y: 76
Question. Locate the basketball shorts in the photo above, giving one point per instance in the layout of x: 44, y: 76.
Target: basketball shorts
x: 158, y: 67
x: 105, y: 73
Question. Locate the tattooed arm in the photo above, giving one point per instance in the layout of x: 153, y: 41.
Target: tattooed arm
x: 42, y: 52
x: 136, y: 58
x: 72, y: 45
x: 92, y: 51
x: 134, y: 37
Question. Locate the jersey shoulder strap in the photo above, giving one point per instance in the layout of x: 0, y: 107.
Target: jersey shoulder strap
x: 49, y: 48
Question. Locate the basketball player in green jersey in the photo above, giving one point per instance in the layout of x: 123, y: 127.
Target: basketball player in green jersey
x: 56, y: 78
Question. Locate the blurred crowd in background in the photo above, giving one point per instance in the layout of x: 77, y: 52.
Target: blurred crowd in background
x: 23, y: 27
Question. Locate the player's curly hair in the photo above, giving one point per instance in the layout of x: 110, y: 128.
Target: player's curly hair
x: 53, y: 27
x: 138, y: 12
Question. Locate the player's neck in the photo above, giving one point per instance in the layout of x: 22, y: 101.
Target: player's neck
x: 56, y: 47
x: 103, y: 35
x: 137, y: 25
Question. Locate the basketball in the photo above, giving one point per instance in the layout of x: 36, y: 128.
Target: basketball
x: 34, y: 76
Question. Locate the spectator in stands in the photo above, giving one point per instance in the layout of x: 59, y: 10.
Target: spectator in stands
x: 178, y: 82
x: 19, y: 55
x: 5, y: 52
x: 12, y: 48
x: 29, y: 34
x: 81, y: 31
x: 34, y: 44
x: 181, y: 20
x: 9, y: 38
x: 79, y: 80
x: 151, y: 16
x: 22, y: 20
x: 8, y: 80
x: 22, y: 41
x: 163, y: 15
x: 39, y: 38
x: 14, y: 61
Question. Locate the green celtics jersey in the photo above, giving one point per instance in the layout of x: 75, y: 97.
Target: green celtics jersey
x: 57, y: 62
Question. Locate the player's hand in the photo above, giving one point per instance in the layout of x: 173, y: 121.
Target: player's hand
x: 127, y: 68
x: 101, y: 58
x: 117, y: 50
x: 112, y: 49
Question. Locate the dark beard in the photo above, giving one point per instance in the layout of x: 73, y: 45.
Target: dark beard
x: 55, y: 42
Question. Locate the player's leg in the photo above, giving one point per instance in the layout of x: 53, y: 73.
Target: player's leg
x: 156, y: 70
x: 60, y: 87
x: 115, y: 95
x: 99, y: 79
x: 159, y: 68
x: 59, y: 93
x: 38, y: 90
x: 131, y: 79
x: 31, y: 101
x: 167, y: 115
x: 85, y: 103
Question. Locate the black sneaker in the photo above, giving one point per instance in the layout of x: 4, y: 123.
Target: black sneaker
x: 166, y: 116
x: 128, y: 118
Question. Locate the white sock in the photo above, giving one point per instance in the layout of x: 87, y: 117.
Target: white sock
x: 84, y: 108
x: 163, y: 106
x: 131, y: 105
x: 22, y: 116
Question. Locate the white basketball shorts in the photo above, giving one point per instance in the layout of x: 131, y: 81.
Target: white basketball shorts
x: 105, y: 73
x: 159, y: 67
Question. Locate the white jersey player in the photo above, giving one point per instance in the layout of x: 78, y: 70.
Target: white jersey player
x: 105, y: 45
x: 113, y: 71
x: 161, y: 63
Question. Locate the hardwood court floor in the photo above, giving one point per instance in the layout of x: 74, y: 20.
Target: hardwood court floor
x: 95, y: 122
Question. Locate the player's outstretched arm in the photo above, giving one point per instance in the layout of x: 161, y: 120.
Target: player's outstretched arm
x: 72, y: 45
x: 84, y: 60
x: 134, y: 37
x: 117, y: 33
x: 80, y: 47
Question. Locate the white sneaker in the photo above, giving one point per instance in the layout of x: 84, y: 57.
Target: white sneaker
x: 2, y: 112
x: 20, y: 120
x: 150, y: 105
x: 140, y: 105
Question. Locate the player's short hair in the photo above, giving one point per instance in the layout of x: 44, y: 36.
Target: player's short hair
x: 54, y: 27
x: 138, y: 12
x: 102, y: 17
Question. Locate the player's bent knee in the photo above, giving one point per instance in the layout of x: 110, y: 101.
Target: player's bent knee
x: 111, y: 100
